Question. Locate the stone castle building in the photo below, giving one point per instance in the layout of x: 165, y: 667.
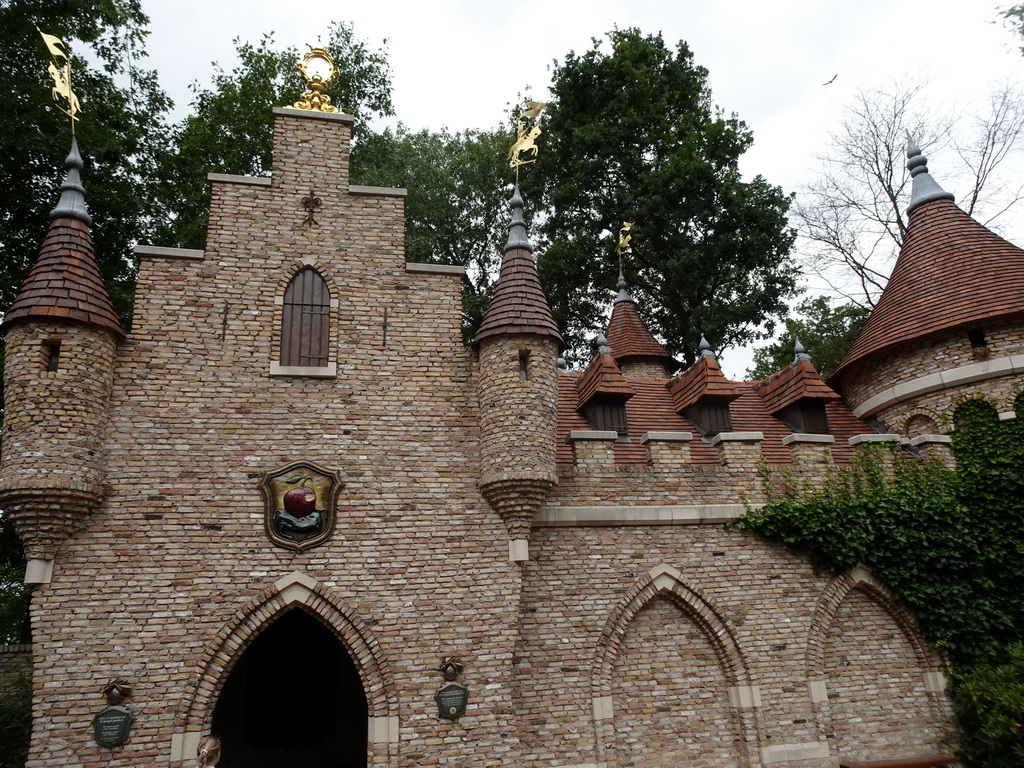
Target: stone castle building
x: 291, y: 507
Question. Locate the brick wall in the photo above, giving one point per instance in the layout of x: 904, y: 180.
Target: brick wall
x: 941, y: 353
x: 617, y: 643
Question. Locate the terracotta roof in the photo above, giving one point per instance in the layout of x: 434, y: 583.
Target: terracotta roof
x: 630, y: 339
x: 651, y: 409
x: 702, y: 379
x: 518, y: 305
x: 65, y: 284
x: 800, y: 380
x: 602, y: 377
x: 951, y: 272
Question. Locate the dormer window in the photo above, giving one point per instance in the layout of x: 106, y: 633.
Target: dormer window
x: 606, y: 415
x: 806, y: 417
x: 710, y: 415
x: 306, y: 321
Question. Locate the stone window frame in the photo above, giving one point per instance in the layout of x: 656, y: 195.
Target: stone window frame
x: 330, y: 370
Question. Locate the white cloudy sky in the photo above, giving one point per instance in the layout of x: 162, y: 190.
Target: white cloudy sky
x: 459, y: 62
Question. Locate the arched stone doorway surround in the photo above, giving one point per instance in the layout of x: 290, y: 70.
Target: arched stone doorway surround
x: 296, y: 590
x: 666, y: 583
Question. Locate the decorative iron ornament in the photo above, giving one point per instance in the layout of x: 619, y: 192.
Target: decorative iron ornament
x: 61, y: 74
x: 311, y: 203
x: 526, y: 136
x: 318, y: 71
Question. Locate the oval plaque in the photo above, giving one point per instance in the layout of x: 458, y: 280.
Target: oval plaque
x: 451, y: 700
x: 111, y: 726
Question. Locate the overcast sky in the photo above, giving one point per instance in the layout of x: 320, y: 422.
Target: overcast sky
x: 458, y: 63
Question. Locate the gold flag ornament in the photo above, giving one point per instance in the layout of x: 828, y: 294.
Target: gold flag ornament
x: 624, y: 238
x: 60, y: 71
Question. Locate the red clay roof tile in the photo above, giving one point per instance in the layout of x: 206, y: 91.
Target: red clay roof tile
x: 951, y: 272
x: 65, y: 281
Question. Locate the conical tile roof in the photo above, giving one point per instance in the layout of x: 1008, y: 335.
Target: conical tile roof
x: 951, y: 272
x: 518, y: 305
x: 65, y: 284
x: 628, y: 335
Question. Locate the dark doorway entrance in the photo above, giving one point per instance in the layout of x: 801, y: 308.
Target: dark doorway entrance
x: 293, y: 699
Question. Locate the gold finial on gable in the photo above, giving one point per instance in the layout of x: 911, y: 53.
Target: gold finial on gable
x: 318, y: 71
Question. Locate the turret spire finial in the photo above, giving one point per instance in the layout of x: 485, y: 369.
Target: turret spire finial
x: 517, y: 236
x: 924, y: 188
x: 799, y: 351
x: 72, y: 193
x: 705, y: 348
x: 622, y: 286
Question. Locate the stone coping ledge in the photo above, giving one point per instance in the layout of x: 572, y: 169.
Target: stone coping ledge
x: 927, y: 439
x: 359, y: 189
x: 737, y: 437
x: 329, y: 371
x: 435, y: 269
x: 1007, y: 415
x: 339, y: 117
x: 160, y: 252
x: 800, y: 437
x: 781, y: 753
x: 874, y: 438
x: 230, y: 178
x: 933, y: 382
x: 591, y: 434
x: 666, y: 437
x: 673, y: 514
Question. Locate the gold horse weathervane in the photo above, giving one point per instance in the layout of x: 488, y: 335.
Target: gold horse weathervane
x: 60, y: 71
x: 526, y: 138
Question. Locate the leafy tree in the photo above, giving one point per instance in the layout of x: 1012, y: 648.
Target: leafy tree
x: 231, y: 129
x: 457, y: 206
x: 14, y: 593
x: 851, y: 217
x: 632, y: 135
x: 119, y: 133
x: 824, y: 330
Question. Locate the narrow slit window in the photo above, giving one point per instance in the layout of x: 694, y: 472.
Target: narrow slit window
x: 306, y: 321
x: 51, y: 355
x: 524, y: 365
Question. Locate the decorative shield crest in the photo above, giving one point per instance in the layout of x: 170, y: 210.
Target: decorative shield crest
x: 301, y: 499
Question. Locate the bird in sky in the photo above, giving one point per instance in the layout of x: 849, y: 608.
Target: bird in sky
x: 832, y: 80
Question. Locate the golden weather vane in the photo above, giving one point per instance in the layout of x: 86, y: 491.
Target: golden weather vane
x: 61, y: 74
x: 624, y: 238
x: 526, y: 137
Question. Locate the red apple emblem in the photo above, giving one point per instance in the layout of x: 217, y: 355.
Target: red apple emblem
x: 299, y: 502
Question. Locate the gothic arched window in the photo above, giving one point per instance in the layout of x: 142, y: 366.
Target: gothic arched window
x: 306, y: 321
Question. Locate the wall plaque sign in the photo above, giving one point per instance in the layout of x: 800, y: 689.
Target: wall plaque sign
x: 451, y: 700
x: 451, y: 697
x: 111, y: 726
x: 300, y: 503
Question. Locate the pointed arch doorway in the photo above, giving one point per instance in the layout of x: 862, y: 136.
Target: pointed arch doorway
x: 293, y: 698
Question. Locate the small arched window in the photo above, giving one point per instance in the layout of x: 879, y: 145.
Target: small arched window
x: 306, y: 321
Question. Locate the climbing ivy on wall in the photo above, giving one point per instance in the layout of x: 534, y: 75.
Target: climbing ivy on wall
x: 949, y: 543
